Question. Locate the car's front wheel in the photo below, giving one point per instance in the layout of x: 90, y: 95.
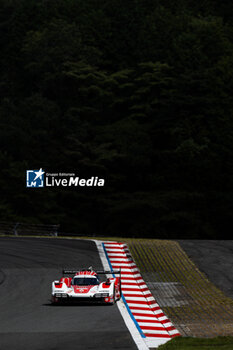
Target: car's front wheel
x: 54, y: 300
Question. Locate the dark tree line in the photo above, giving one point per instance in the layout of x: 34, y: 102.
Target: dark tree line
x: 138, y: 92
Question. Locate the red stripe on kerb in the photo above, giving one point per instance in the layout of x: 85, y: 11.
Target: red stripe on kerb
x: 147, y: 315
x: 122, y: 261
x: 123, y: 256
x: 143, y: 308
x: 175, y: 335
x: 118, y: 266
x: 120, y: 257
x: 132, y: 279
x: 112, y: 246
x: 160, y: 315
x: 132, y: 284
x: 144, y: 315
x: 152, y: 328
x: 157, y: 335
x: 147, y: 321
x: 134, y: 289
x: 124, y: 264
x: 156, y: 328
x: 114, y: 249
x: 165, y: 321
x: 122, y: 243
x: 171, y: 328
x: 142, y: 302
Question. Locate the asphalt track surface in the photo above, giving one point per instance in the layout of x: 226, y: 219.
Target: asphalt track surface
x: 215, y: 259
x: 27, y: 318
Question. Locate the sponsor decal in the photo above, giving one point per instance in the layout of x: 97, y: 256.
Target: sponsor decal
x: 40, y: 178
x: 81, y: 290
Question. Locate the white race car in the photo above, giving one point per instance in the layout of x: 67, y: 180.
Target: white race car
x: 86, y: 286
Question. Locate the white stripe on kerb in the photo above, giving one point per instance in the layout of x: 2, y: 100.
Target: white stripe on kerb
x: 139, y: 301
x: 140, y: 343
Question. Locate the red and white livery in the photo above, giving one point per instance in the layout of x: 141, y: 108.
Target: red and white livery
x: 85, y: 285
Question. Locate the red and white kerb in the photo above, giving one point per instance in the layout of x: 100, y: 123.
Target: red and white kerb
x: 144, y: 308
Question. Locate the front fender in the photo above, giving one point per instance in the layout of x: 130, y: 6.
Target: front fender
x: 60, y: 287
x: 107, y: 288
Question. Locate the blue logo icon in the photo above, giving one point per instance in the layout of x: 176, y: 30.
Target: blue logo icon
x: 35, y: 178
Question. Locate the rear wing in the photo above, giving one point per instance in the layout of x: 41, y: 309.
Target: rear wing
x: 99, y: 272
x: 113, y: 272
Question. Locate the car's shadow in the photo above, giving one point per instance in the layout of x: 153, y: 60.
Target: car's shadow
x: 79, y: 304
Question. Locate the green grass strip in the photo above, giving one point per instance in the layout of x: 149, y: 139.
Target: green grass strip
x: 218, y: 343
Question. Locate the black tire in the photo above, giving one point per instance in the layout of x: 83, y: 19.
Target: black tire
x: 114, y: 296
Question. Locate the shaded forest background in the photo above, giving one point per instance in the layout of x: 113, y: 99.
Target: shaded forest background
x: 138, y: 92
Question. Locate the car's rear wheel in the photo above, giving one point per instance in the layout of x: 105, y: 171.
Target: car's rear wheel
x: 114, y: 296
x: 120, y: 292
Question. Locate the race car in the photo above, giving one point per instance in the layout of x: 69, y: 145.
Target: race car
x: 85, y: 286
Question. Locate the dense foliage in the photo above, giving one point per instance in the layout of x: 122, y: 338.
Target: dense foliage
x: 138, y: 92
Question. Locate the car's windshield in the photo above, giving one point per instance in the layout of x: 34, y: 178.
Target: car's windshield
x: 85, y: 281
